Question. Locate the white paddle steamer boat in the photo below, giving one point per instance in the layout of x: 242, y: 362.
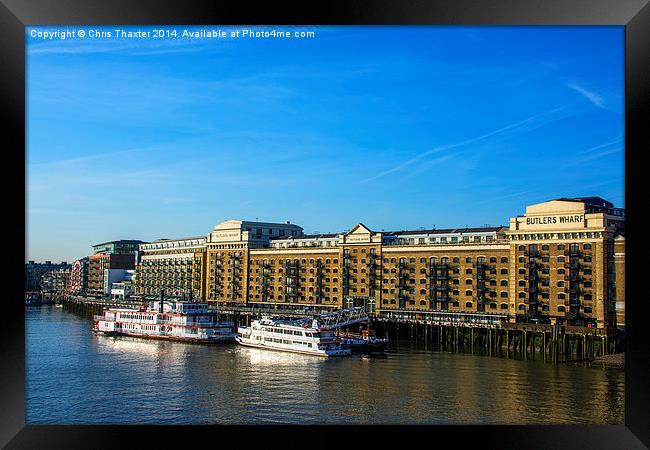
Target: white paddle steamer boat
x: 171, y: 320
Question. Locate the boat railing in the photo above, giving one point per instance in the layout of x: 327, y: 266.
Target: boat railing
x: 98, y: 317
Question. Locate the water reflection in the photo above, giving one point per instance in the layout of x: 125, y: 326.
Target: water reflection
x: 122, y: 380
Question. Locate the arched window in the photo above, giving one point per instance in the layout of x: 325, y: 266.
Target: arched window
x: 504, y: 294
x: 468, y: 293
x: 493, y: 306
x: 545, y: 247
x: 522, y: 307
x: 561, y: 309
x: 468, y: 305
x: 504, y: 306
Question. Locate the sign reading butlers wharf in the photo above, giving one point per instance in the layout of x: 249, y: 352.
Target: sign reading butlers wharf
x: 547, y: 220
x: 561, y: 214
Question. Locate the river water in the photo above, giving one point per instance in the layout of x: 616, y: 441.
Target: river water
x: 76, y: 377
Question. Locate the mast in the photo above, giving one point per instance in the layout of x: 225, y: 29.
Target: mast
x: 162, y: 296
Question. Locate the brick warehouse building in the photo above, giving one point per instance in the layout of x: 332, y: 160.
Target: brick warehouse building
x: 562, y: 261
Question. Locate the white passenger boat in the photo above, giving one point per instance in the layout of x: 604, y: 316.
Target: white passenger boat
x: 171, y: 320
x: 296, y: 336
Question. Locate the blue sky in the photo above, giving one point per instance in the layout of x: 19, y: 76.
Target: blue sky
x: 396, y: 127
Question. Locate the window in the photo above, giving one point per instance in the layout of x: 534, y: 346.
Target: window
x: 468, y: 305
x: 504, y: 306
x: 504, y: 260
x: 504, y: 294
x: 561, y: 309
x: 468, y: 260
x: 504, y: 271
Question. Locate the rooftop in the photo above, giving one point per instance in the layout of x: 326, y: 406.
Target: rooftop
x: 176, y: 239
x: 398, y: 233
x: 123, y: 241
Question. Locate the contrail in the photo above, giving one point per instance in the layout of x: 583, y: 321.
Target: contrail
x: 469, y: 141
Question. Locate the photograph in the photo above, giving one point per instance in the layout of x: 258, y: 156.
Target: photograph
x: 325, y: 225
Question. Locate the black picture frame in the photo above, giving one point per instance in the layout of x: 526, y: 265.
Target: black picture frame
x: 634, y: 15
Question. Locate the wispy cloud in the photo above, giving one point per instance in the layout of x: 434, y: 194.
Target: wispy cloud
x: 596, y: 152
x: 617, y: 140
x: 492, y: 199
x: 89, y: 158
x: 594, y: 98
x: 521, y: 125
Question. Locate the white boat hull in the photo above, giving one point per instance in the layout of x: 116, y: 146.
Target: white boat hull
x: 216, y: 339
x: 283, y: 348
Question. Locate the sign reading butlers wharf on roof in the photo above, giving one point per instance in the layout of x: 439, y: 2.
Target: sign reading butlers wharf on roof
x: 557, y: 215
x: 553, y: 220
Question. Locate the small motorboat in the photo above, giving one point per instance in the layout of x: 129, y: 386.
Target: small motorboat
x: 366, y: 342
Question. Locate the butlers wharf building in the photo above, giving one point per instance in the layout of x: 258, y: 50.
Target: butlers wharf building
x: 561, y: 262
